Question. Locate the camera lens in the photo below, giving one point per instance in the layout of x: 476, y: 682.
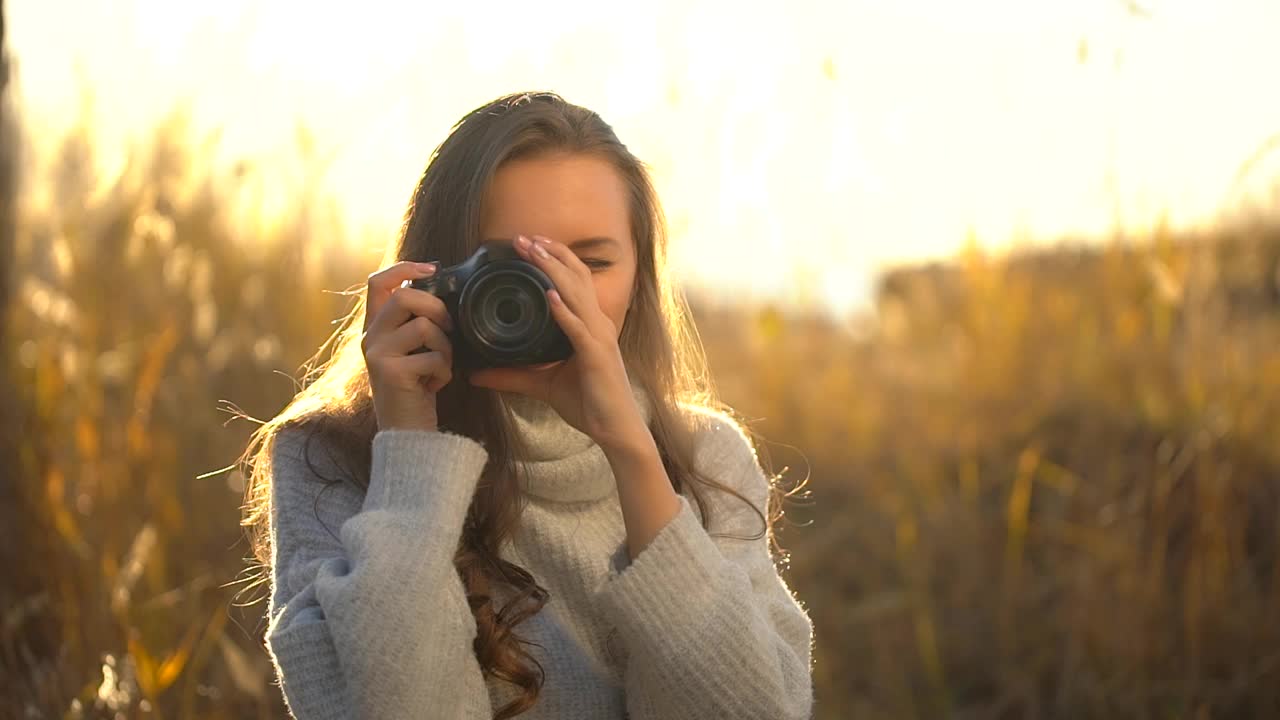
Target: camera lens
x: 507, y: 310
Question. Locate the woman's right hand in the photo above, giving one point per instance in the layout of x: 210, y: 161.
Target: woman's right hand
x: 397, y: 321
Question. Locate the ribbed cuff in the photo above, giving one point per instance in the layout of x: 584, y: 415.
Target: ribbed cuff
x: 310, y: 675
x: 667, y: 583
x: 424, y: 469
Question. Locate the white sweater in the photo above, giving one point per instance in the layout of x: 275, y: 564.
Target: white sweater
x: 368, y: 617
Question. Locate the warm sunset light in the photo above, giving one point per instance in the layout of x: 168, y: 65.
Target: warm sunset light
x: 798, y: 148
x: 958, y: 397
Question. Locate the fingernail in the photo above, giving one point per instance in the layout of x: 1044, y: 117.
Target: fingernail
x: 543, y: 240
x: 522, y: 241
x: 542, y: 252
x: 428, y: 267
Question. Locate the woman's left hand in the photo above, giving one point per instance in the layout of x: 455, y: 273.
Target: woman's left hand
x: 590, y: 390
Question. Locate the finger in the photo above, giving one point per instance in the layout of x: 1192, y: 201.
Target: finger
x: 435, y: 368
x: 383, y: 282
x: 405, y: 303
x: 417, y: 333
x: 564, y: 254
x: 577, y: 331
x: 570, y: 285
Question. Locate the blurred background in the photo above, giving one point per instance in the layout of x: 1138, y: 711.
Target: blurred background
x: 1001, y: 280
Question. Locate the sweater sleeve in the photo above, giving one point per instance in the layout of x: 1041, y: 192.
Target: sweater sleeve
x: 368, y: 617
x: 711, y: 628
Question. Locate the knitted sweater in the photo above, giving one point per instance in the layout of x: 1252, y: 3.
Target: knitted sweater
x: 368, y: 617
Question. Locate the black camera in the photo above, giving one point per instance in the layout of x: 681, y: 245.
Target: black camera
x: 501, y: 315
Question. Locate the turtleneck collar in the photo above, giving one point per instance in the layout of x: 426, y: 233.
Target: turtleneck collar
x: 563, y: 464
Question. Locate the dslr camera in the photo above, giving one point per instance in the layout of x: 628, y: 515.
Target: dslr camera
x: 501, y: 315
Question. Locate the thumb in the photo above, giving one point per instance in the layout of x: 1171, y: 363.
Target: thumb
x: 505, y: 380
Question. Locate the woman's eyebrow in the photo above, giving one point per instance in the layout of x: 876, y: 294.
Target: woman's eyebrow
x: 588, y: 243
x: 592, y: 242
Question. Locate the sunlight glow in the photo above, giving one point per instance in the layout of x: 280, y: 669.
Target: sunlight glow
x: 805, y: 140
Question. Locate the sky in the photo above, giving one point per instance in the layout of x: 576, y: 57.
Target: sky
x: 798, y: 147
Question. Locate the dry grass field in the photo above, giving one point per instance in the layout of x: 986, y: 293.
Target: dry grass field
x: 1040, y: 484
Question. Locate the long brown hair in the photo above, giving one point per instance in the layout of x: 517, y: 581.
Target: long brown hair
x: 658, y: 342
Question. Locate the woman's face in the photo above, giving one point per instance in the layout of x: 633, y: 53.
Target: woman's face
x: 577, y: 200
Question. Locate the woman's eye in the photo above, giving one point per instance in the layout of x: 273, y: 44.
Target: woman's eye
x: 597, y: 264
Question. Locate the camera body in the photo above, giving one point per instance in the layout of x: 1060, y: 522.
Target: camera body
x: 501, y: 316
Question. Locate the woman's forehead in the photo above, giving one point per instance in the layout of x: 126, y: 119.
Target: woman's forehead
x: 569, y: 198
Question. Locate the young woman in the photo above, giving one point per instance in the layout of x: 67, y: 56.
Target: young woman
x: 589, y: 538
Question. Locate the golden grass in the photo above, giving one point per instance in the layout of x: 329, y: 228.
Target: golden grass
x: 1042, y: 485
